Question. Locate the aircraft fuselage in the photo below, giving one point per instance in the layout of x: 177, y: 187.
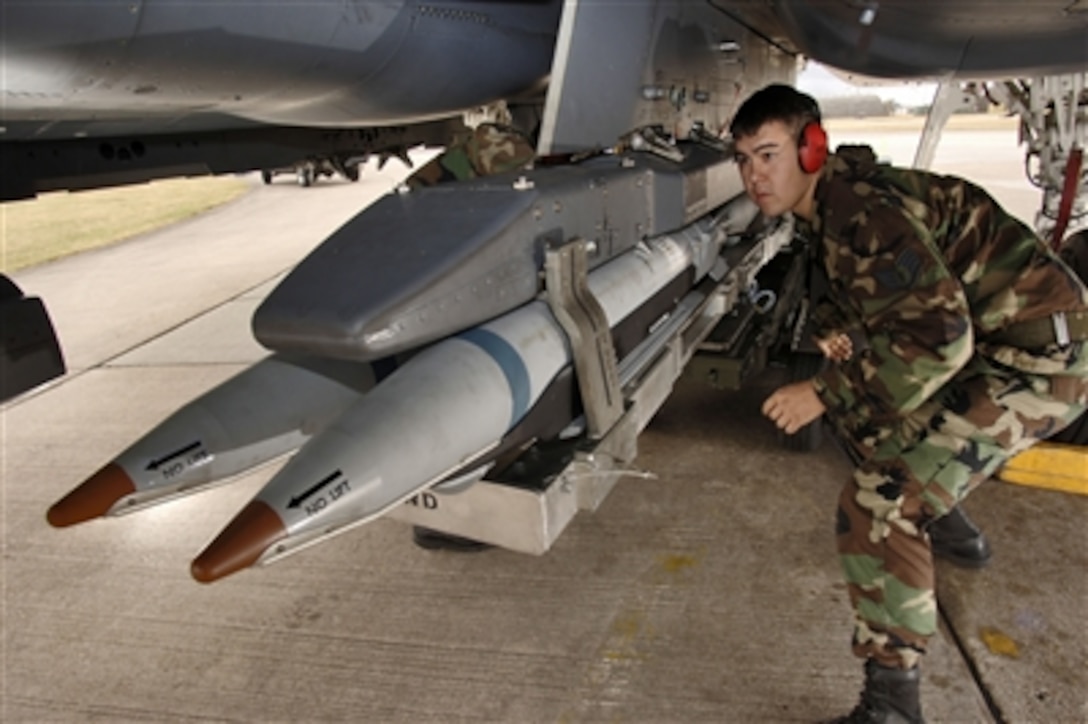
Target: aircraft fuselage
x: 103, y: 68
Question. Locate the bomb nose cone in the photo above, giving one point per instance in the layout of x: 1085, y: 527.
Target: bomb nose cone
x: 93, y: 498
x: 240, y: 544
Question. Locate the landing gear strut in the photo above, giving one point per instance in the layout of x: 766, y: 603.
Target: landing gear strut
x: 1053, y: 114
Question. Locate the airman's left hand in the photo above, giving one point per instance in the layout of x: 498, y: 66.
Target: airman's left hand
x: 837, y: 347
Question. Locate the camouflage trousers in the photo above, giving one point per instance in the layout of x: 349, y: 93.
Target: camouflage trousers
x: 915, y: 473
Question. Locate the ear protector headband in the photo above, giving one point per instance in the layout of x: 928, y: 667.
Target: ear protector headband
x: 812, y: 147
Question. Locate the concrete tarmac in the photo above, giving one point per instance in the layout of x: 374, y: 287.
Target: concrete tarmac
x: 708, y: 591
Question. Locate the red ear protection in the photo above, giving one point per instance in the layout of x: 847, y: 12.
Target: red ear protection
x: 812, y: 147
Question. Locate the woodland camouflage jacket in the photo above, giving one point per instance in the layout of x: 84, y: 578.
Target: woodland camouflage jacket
x: 924, y: 269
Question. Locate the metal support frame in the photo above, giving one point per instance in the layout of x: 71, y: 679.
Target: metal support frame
x: 529, y: 518
x: 944, y: 102
x: 583, y: 319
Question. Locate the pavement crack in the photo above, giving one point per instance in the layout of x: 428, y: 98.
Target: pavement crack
x: 987, y: 696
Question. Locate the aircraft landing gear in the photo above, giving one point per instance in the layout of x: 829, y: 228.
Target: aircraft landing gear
x: 1053, y: 114
x: 306, y: 175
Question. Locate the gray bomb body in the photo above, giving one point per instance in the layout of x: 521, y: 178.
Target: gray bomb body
x: 444, y: 408
x: 262, y: 413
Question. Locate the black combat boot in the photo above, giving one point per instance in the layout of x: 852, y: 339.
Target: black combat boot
x: 890, y: 697
x: 959, y: 541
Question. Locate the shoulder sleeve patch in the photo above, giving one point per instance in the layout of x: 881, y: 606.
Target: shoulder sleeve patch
x: 903, y: 272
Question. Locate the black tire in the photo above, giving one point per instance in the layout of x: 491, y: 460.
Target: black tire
x: 804, y: 366
x: 351, y: 173
x: 266, y: 176
x: 306, y: 176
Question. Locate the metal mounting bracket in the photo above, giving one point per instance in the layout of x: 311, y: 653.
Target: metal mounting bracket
x: 583, y: 320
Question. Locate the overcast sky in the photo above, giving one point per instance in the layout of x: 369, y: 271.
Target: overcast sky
x: 821, y: 83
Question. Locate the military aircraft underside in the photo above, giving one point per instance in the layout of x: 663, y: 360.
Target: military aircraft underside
x: 553, y: 305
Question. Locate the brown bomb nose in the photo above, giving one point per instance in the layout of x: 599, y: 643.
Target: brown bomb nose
x: 240, y: 544
x: 93, y: 498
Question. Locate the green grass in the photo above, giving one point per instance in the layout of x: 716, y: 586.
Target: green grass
x: 55, y: 225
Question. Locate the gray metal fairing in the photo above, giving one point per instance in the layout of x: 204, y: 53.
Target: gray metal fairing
x: 913, y: 39
x: 410, y: 264
x: 419, y: 266
x: 160, y: 66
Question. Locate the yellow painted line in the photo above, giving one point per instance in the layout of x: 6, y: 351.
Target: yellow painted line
x: 1050, y: 465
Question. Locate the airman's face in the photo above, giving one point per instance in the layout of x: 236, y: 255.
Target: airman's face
x: 772, y: 175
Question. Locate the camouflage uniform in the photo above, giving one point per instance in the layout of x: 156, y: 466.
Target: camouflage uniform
x: 488, y: 149
x: 930, y: 277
